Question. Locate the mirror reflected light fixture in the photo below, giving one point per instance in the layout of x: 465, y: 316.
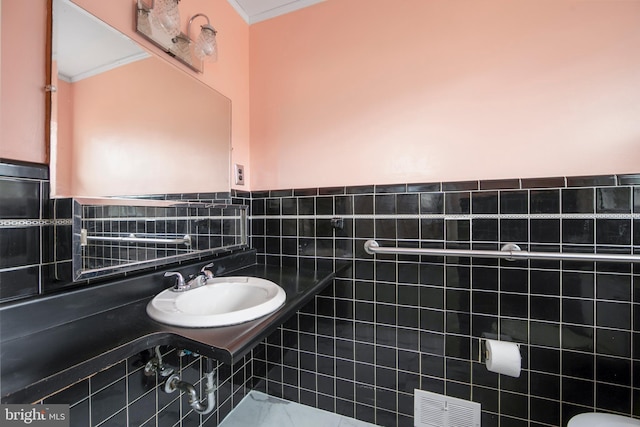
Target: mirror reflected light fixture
x: 160, y: 24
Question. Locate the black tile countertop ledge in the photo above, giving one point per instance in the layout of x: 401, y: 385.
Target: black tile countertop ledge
x: 36, y: 363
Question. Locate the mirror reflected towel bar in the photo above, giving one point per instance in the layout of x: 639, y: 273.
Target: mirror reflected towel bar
x: 509, y: 252
x: 132, y: 238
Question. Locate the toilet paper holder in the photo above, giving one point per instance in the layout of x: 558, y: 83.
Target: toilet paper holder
x: 482, y: 345
x: 502, y: 357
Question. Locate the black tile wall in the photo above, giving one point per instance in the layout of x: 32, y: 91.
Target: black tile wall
x: 36, y: 232
x: 123, y: 395
x: 208, y: 228
x: 35, y: 258
x: 390, y: 324
x: 28, y: 225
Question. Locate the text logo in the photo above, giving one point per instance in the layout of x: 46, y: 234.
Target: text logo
x: 34, y: 415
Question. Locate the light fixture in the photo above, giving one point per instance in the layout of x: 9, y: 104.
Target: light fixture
x: 165, y: 15
x: 206, y: 46
x: 160, y: 24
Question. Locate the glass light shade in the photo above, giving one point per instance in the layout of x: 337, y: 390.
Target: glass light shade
x: 206, y: 47
x: 166, y: 16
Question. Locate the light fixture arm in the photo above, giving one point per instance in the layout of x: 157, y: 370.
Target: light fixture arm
x: 206, y: 26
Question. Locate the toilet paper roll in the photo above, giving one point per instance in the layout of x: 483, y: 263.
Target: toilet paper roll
x: 503, y: 358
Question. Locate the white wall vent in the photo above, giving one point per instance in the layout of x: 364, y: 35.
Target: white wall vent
x: 436, y: 410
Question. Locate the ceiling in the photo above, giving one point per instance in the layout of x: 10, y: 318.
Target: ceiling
x: 253, y: 11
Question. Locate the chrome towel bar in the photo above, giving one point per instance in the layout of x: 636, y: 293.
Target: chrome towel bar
x: 509, y: 252
x: 132, y: 238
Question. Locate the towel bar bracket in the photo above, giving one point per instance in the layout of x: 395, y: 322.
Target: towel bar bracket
x: 511, y: 248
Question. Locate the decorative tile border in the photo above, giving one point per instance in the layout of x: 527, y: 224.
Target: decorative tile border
x: 33, y: 222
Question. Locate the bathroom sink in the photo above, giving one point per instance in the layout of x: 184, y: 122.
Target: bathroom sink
x: 222, y: 301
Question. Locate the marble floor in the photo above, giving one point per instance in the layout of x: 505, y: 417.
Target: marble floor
x: 259, y: 409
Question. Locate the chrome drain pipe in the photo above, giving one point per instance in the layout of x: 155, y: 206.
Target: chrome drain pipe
x: 203, y: 406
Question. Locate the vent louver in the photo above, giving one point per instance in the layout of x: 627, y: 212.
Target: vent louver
x: 436, y: 410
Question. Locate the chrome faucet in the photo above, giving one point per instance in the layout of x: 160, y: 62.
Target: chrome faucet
x: 180, y: 283
x: 183, y: 285
x: 196, y: 281
x: 206, y: 272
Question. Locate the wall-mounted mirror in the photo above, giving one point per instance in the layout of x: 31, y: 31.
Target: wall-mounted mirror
x: 127, y: 122
x: 112, y: 236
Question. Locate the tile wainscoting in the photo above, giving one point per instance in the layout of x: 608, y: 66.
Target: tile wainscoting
x: 394, y: 323
x: 390, y: 324
x: 122, y: 395
x: 36, y: 231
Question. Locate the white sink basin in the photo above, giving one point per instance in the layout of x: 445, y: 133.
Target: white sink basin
x: 222, y: 301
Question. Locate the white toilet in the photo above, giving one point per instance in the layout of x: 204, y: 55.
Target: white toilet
x: 596, y: 419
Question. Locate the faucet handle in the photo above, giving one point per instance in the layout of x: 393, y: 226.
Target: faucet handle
x: 180, y: 284
x: 206, y: 272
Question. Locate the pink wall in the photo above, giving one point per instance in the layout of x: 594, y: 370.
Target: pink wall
x: 229, y: 75
x: 22, y: 80
x: 132, y: 138
x: 374, y: 91
x: 23, y: 76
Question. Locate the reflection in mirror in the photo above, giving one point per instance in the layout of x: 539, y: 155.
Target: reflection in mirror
x: 112, y: 235
x: 127, y: 122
